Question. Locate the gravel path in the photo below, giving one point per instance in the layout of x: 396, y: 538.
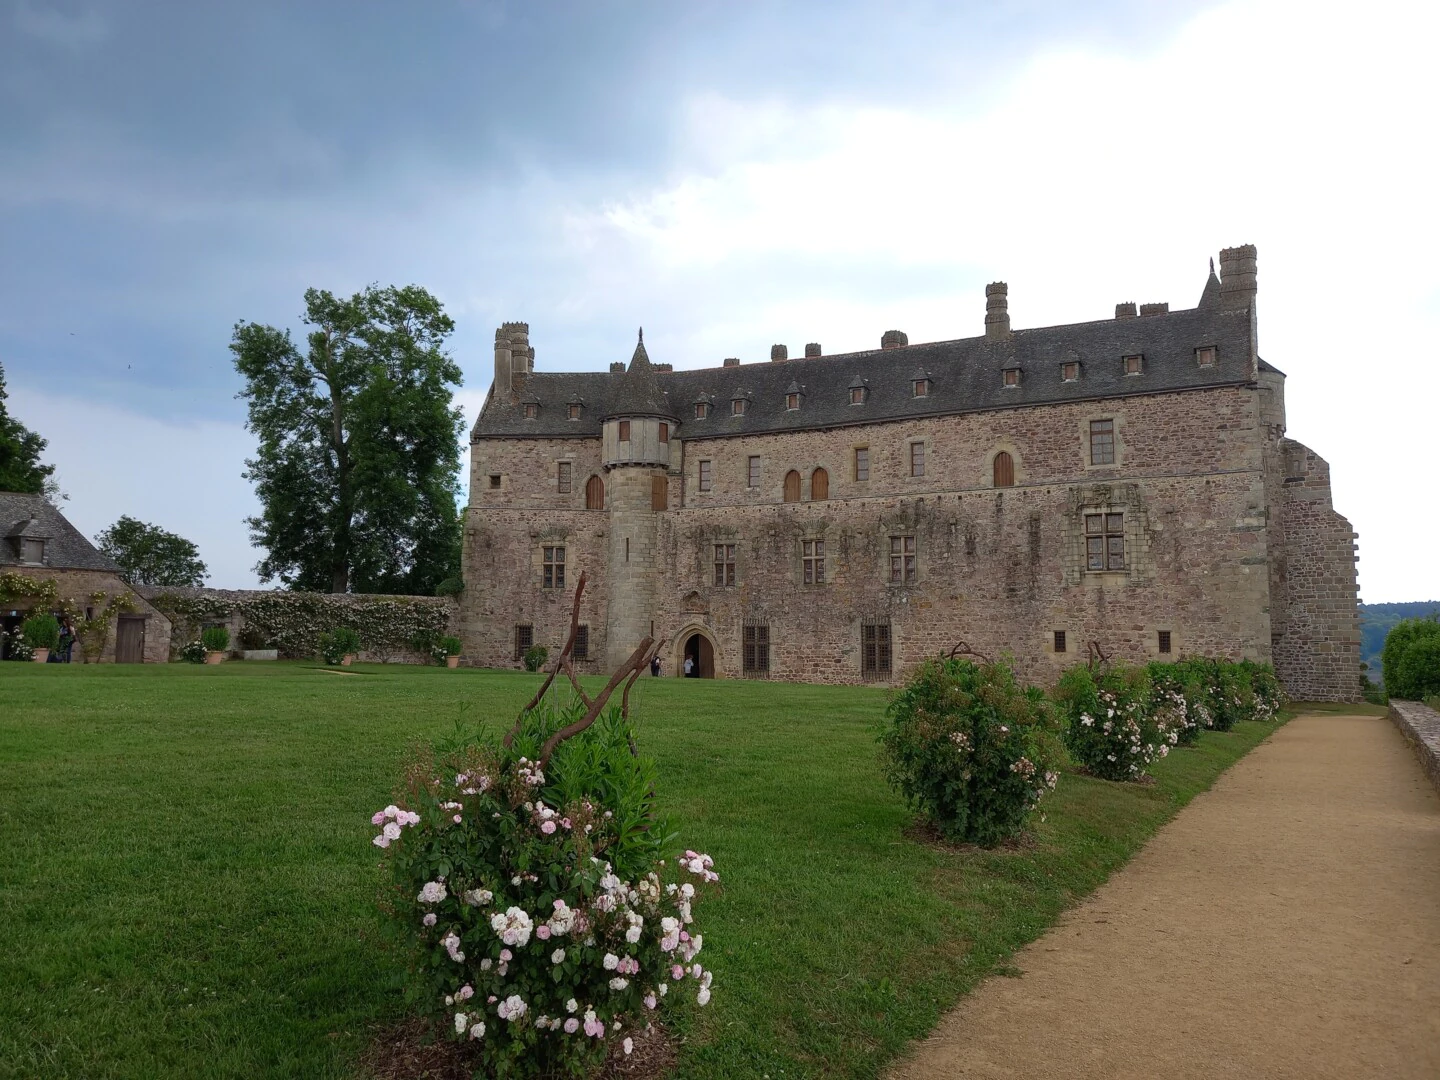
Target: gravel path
x: 1285, y: 924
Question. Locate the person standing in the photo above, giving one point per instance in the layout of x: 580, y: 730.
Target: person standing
x: 689, y: 667
x: 67, y: 638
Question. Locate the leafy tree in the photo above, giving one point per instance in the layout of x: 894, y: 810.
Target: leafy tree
x: 359, y: 459
x: 20, y: 449
x: 149, y: 555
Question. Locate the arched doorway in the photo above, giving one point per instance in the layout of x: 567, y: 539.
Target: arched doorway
x: 595, y: 494
x: 792, y: 486
x: 701, y: 655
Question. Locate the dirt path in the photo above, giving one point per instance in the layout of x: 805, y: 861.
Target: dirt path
x: 1285, y: 924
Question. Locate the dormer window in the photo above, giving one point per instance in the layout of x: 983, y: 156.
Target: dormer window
x: 574, y: 412
x: 737, y: 407
x: 1134, y: 365
x: 857, y: 395
x: 624, y: 435
x: 702, y: 410
x: 921, y: 387
x: 1070, y: 371
x: 531, y: 410
x: 32, y: 551
x: 1205, y: 356
x: 792, y: 402
x: 1010, y: 377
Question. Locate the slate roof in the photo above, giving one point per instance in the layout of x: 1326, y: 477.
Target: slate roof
x: 964, y: 375
x: 65, y: 548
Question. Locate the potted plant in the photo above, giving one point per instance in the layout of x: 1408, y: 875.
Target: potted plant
x: 452, y: 647
x: 216, y: 640
x: 41, y: 633
x: 339, y: 646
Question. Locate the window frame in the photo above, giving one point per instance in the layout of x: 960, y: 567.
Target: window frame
x: 664, y: 433
x: 793, y: 493
x: 919, y: 388
x: 573, y: 411
x: 877, y: 649
x: 25, y: 544
x: 1164, y: 642
x: 753, y: 475
x: 738, y: 406
x: 622, y: 431
x: 723, y: 564
x: 1107, y: 527
x: 552, y: 566
x: 755, y: 649
x: 904, y: 560
x: 792, y: 402
x: 702, y: 410
x: 812, y: 560
x: 524, y: 638
x: 1058, y: 643
x: 705, y: 478
x: 1070, y: 371
x: 1203, y: 351
x: 494, y: 481
x: 1009, y: 378
x: 596, y: 483
x: 861, y: 470
x: 532, y: 411
x: 1106, y: 439
x: 564, y: 477
x: 917, y: 459
x: 581, y: 651
x: 1134, y: 364
x: 857, y: 395
x: 1007, y: 480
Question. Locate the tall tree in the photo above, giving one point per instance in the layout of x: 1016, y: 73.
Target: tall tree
x: 149, y: 555
x: 358, y: 466
x: 20, y: 450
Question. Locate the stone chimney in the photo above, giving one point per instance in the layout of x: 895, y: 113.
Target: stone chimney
x: 730, y: 361
x: 997, y: 311
x: 812, y: 349
x: 1237, y: 278
x: 779, y: 352
x: 514, y: 359
x: 667, y: 368
x: 1155, y: 309
x: 617, y: 367
x: 894, y: 339
x: 1125, y: 310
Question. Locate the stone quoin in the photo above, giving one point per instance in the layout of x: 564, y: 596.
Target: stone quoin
x: 838, y: 518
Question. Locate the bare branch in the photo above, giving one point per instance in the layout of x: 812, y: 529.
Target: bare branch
x: 563, y: 660
x: 637, y: 658
x: 964, y: 648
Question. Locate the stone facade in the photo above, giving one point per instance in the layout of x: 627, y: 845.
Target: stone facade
x: 1216, y: 534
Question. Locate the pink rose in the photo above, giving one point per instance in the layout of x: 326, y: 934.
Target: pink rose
x: 547, y: 827
x: 505, y: 956
x: 429, y: 919
x: 542, y: 932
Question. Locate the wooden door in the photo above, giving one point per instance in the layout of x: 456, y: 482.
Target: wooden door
x: 819, y: 485
x: 130, y: 640
x: 792, y: 486
x: 1004, y: 470
x: 595, y: 494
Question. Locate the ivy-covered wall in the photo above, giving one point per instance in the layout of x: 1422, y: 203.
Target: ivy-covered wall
x: 93, y: 600
x: 293, y: 621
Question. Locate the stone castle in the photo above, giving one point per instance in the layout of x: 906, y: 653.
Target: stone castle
x: 1122, y: 485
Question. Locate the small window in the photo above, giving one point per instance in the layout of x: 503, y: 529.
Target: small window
x: 1102, y: 442
x: 792, y: 486
x: 1164, y: 642
x: 857, y: 395
x: 1105, y: 541
x: 792, y: 402
x: 1004, y: 470
x: 752, y: 476
x: 812, y: 558
x: 1010, y: 377
x: 494, y: 480
x: 1059, y: 640
x: 524, y: 639
x: 531, y: 411
x: 1205, y: 356
x: 875, y: 648
x: 737, y: 407
x: 755, y: 654
x: 724, y: 564
x: 1134, y: 365
x: 706, y: 481
x: 659, y: 492
x: 819, y: 485
x: 862, y: 463
x: 702, y: 410
x: 32, y: 551
x: 624, y: 430
x: 562, y: 477
x: 917, y: 459
x: 1069, y: 372
x: 574, y: 411
x: 595, y: 494
x: 902, y: 560
x: 664, y: 432
x: 582, y: 642
x: 554, y: 563
x: 921, y: 387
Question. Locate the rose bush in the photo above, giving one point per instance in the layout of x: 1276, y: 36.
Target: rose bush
x: 1112, y: 730
x: 971, y: 749
x: 543, y: 920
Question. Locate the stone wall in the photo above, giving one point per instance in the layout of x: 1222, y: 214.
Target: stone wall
x: 79, y: 587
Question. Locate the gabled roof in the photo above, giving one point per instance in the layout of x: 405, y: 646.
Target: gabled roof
x: 965, y: 377
x: 65, y: 547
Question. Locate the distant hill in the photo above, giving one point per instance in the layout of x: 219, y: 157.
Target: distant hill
x: 1376, y: 621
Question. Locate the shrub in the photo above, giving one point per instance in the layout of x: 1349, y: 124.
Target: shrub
x: 451, y: 586
x: 215, y: 638
x: 1411, y: 677
x: 1177, y: 696
x: 1265, y: 691
x: 1111, y: 731
x: 542, y: 919
x: 194, y: 652
x: 970, y: 749
x: 339, y: 643
x: 451, y: 646
x: 16, y: 648
x: 535, y: 657
x: 251, y: 639
x: 41, y: 632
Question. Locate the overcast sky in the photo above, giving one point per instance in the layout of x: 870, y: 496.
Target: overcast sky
x: 729, y: 175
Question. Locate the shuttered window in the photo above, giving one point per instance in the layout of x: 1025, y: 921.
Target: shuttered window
x: 595, y: 494
x: 659, y: 493
x: 1004, y: 470
x: 875, y: 648
x: 819, y: 485
x: 624, y: 430
x: 755, y: 653
x: 792, y: 486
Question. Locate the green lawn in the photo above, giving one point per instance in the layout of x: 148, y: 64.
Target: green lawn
x: 187, y: 882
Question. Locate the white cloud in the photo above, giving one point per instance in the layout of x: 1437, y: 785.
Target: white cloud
x: 1092, y: 178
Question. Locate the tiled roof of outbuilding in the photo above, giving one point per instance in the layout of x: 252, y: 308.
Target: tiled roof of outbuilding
x: 65, y: 548
x: 965, y: 376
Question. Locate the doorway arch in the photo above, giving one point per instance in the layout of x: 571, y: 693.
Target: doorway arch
x: 696, y: 643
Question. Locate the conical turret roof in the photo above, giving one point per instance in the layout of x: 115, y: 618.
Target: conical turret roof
x: 1210, y: 298
x: 640, y: 393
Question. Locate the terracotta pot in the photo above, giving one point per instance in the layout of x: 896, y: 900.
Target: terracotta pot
x: 452, y: 661
x: 41, y: 656
x: 347, y: 659
x: 214, y: 657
